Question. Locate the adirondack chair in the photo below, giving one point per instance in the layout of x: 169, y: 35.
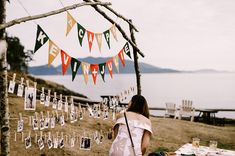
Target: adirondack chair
x: 186, y: 109
x: 170, y: 110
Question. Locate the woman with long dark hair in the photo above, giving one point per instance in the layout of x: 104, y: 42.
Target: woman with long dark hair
x: 137, y: 115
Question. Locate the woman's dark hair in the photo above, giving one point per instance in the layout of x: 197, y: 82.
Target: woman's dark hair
x: 138, y: 104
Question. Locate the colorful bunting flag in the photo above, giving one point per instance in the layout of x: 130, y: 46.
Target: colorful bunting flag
x: 94, y: 71
x: 107, y: 37
x: 70, y: 22
x: 121, y: 56
x: 116, y: 63
x: 127, y: 49
x: 102, y: 70
x: 81, y: 33
x: 65, y: 59
x: 113, y: 31
x: 90, y: 36
x: 98, y: 37
x: 53, y: 52
x: 41, y: 38
x: 109, y: 64
x: 74, y: 67
x: 85, y: 70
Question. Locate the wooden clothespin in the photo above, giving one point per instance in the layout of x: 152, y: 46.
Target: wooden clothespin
x: 41, y: 113
x: 36, y: 138
x: 30, y: 121
x: 22, y: 136
x: 61, y: 97
x: 42, y: 90
x: 49, y: 92
x: 54, y: 95
x: 48, y: 114
x: 35, y: 85
x: 14, y: 135
x: 20, y: 117
x: 36, y: 115
x: 41, y: 133
x: 27, y: 83
x: 21, y: 80
x: 14, y: 77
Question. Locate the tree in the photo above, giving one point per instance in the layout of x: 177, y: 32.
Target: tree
x: 17, y: 57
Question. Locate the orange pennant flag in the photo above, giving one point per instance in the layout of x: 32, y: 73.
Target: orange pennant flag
x: 94, y: 71
x: 121, y: 56
x: 90, y: 36
x: 65, y: 59
x: 114, y: 32
x: 116, y: 63
x: 70, y: 22
x: 98, y: 37
x: 109, y: 64
x: 52, y: 52
x: 85, y: 70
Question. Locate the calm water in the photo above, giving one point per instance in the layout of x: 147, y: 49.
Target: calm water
x: 205, y: 90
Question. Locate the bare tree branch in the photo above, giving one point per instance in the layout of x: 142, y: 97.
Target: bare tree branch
x: 29, y: 18
x: 118, y: 26
x: 119, y: 15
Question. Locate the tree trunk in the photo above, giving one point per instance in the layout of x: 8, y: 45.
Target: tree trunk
x: 4, y: 108
x: 136, y: 65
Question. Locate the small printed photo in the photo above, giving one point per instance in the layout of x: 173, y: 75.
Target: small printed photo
x: 46, y: 123
x: 85, y: 143
x: 49, y: 143
x: 55, y: 142
x: 72, y: 117
x: 60, y: 104
x: 54, y: 104
x: 42, y: 123
x: 35, y: 124
x: 42, y: 99
x: 47, y: 101
x: 66, y: 107
x: 30, y: 99
x: 11, y: 87
x: 40, y: 143
x: 20, y: 126
x: 53, y: 122
x: 27, y: 142
x: 61, y: 143
x: 20, y: 90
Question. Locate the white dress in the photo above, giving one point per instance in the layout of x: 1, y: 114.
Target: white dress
x: 121, y: 146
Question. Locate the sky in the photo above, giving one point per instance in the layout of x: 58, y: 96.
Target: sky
x: 177, y: 34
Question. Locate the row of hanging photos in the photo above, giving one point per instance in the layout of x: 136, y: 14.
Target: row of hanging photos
x: 59, y: 141
x: 30, y: 96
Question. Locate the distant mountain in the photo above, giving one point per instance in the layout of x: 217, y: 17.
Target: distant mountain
x: 129, y: 67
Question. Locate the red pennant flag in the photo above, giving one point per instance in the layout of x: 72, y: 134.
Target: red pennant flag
x: 90, y: 36
x: 94, y: 71
x: 121, y: 56
x: 109, y: 64
x: 65, y: 58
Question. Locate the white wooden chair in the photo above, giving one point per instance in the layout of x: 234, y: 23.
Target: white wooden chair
x: 170, y: 110
x: 186, y: 109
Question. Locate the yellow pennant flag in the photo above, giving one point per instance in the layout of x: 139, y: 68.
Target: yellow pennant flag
x: 113, y: 31
x: 52, y: 52
x: 98, y: 37
x: 85, y: 70
x: 116, y: 63
x: 70, y: 22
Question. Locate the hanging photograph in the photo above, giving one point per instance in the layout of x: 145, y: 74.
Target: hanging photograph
x: 49, y: 143
x: 42, y: 99
x: 47, y: 101
x: 85, y: 143
x: 55, y: 142
x: 30, y: 99
x: 46, y: 123
x: 40, y: 143
x: 42, y: 124
x: 54, y: 105
x: 53, y: 122
x: 35, y: 124
x: 61, y: 143
x: 11, y: 87
x: 20, y: 126
x: 27, y: 142
x: 20, y: 90
x: 60, y: 103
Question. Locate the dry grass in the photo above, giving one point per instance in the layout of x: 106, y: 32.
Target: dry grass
x: 169, y: 134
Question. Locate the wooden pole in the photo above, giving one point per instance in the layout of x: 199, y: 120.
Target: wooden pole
x: 29, y: 18
x: 136, y: 65
x: 4, y: 108
x: 118, y: 27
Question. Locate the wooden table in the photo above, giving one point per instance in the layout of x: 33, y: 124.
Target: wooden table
x: 208, y: 115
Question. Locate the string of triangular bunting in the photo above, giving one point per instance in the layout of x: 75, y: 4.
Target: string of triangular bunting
x: 66, y: 59
x: 90, y: 35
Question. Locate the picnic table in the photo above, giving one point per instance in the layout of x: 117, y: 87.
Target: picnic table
x: 207, y: 115
x: 188, y: 149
